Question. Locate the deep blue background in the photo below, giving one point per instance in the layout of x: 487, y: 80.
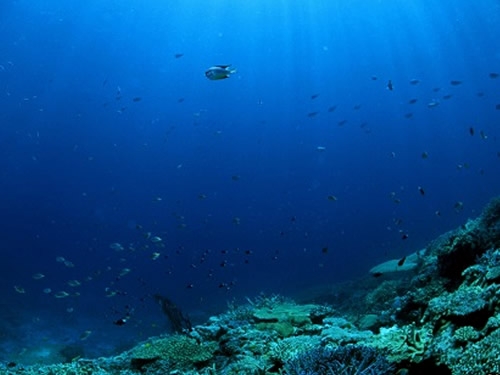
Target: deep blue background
x: 83, y: 165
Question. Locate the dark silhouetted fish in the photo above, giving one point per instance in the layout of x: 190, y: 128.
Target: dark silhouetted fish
x: 401, y: 261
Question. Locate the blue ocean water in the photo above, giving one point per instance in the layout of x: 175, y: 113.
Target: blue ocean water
x: 125, y: 169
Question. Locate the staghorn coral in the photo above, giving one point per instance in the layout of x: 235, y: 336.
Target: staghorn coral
x: 288, y: 348
x: 347, y: 360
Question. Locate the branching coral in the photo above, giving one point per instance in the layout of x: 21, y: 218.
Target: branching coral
x: 347, y: 360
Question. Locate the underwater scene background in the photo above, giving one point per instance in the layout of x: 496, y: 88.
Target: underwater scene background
x: 350, y: 134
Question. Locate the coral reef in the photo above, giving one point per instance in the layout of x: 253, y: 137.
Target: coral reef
x: 441, y: 317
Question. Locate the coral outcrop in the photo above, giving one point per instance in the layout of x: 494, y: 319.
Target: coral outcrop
x: 440, y: 317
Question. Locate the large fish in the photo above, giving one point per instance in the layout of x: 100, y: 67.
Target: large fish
x: 218, y: 72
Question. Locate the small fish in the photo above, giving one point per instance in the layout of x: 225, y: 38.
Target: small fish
x: 320, y: 148
x: 447, y: 97
x: 155, y: 256
x: 471, y: 130
x: 342, y: 122
x: 47, y: 290
x: 432, y: 104
x: 218, y: 72
x: 61, y: 294
x: 116, y: 246
x: 497, y: 107
x: 356, y: 107
x: 120, y: 322
x: 73, y: 283
x: 312, y: 114
x: 324, y: 250
x: 236, y: 220
x: 436, y: 89
x: 332, y: 198
x: 60, y: 259
x: 156, y: 239
x: 137, y: 99
x: 425, y: 155
x: 421, y: 190
x: 494, y: 75
x: 483, y: 135
x: 19, y: 289
x: 480, y: 94
x: 38, y: 276
x: 414, y: 82
x: 373, y: 78
x: 390, y: 87
x: 124, y: 272
x: 235, y: 177
x: 314, y: 96
x: 458, y: 206
x: 85, y: 335
x: 332, y: 108
x: 408, y: 115
x: 412, y: 101
x: 401, y: 261
x: 455, y: 83
x: 178, y: 55
x: 404, y: 236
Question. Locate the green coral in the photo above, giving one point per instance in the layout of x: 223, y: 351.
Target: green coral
x: 179, y: 350
x: 408, y: 343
